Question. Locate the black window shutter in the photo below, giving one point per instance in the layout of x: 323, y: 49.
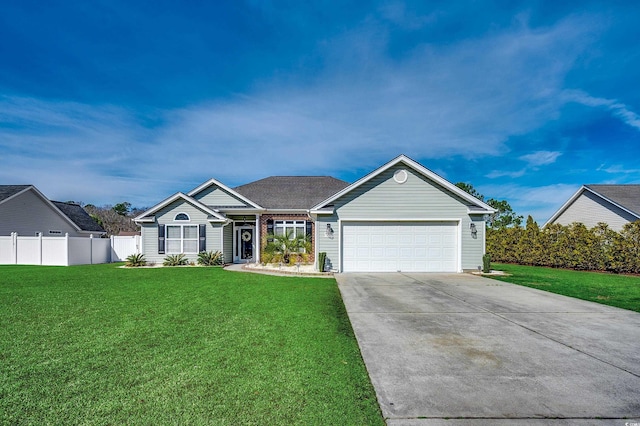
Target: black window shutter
x: 309, y: 231
x: 160, y: 239
x: 203, y: 237
x: 269, y: 230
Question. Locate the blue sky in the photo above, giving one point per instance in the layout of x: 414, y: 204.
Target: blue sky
x: 103, y: 102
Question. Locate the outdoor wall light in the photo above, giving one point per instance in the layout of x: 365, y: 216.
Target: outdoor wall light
x: 474, y: 230
x: 328, y: 232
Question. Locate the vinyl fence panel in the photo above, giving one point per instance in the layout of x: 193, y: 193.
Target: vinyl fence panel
x: 55, y: 251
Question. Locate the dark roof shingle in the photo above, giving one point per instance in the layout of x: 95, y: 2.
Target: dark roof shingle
x: 79, y: 216
x: 291, y: 192
x: 627, y: 196
x: 7, y: 191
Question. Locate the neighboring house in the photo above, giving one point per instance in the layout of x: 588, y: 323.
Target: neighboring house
x: 615, y: 205
x: 400, y: 217
x: 25, y: 210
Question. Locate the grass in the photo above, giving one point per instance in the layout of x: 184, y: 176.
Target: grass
x: 103, y: 345
x: 622, y: 291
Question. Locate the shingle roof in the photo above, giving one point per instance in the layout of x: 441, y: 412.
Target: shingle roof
x: 79, y: 216
x: 627, y: 196
x: 291, y: 192
x: 7, y: 191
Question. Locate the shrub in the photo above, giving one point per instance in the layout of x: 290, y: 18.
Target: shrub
x: 572, y: 247
x: 210, y: 258
x: 175, y: 260
x: 322, y: 259
x: 135, y: 260
x: 486, y: 263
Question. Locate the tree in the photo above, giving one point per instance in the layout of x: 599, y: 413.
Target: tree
x: 123, y: 209
x: 504, y: 216
x: 467, y: 187
x: 114, y: 219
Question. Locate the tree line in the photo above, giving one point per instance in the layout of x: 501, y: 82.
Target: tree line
x: 114, y: 218
x: 572, y: 247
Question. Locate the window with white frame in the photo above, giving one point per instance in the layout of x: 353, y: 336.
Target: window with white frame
x: 181, y: 239
x: 293, y: 228
x: 182, y: 217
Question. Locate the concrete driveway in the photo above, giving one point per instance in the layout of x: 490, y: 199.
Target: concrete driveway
x: 462, y: 349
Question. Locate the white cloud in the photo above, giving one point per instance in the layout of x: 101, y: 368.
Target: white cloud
x: 618, y: 109
x: 365, y: 108
x: 541, y: 158
x: 618, y: 169
x: 501, y: 173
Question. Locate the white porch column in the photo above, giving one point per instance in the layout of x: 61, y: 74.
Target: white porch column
x: 258, y: 238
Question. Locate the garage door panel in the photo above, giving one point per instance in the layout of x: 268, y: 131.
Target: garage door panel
x: 398, y: 246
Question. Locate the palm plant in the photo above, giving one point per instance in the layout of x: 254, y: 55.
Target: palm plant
x: 175, y: 260
x: 210, y: 258
x: 135, y: 260
x: 288, y: 245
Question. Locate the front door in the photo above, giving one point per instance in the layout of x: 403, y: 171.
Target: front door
x: 244, y: 244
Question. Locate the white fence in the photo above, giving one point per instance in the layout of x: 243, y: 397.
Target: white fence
x: 122, y: 247
x: 63, y: 251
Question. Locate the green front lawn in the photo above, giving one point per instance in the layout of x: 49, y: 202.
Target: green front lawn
x: 104, y: 345
x: 622, y: 291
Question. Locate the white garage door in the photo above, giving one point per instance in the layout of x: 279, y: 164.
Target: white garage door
x: 400, y: 246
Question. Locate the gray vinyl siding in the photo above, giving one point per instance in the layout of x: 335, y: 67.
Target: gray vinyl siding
x: 591, y: 209
x: 326, y: 244
x: 215, y: 196
x: 149, y: 232
x: 473, y: 251
x: 166, y: 216
x: 419, y: 198
x: 27, y: 214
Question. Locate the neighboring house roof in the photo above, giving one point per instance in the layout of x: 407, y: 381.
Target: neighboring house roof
x: 71, y: 212
x: 79, y: 216
x: 475, y: 205
x: 291, y: 192
x: 8, y: 191
x: 626, y: 197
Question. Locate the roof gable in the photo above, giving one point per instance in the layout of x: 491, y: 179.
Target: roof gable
x: 216, y: 183
x: 148, y: 215
x: 476, y: 206
x: 291, y: 192
x: 625, y: 197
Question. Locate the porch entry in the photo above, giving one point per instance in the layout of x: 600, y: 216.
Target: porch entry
x: 244, y: 244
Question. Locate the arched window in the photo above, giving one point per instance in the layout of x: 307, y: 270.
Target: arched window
x: 182, y: 217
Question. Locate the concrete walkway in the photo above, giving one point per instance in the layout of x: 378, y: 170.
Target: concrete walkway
x: 463, y: 349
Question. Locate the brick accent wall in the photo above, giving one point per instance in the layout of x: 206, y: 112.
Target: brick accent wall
x: 274, y: 217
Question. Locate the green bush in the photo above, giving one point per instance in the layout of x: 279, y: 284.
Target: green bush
x: 486, y: 263
x: 135, y: 260
x: 322, y: 258
x: 175, y: 260
x: 210, y: 258
x: 571, y: 247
